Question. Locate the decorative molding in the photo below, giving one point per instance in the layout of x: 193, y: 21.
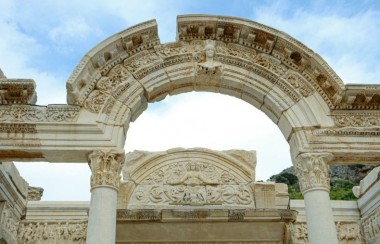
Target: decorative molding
x: 192, y: 183
x: 313, y: 171
x: 106, y: 168
x: 298, y: 233
x: 206, y: 242
x: 59, y: 232
x: 348, y: 131
x: 17, y: 91
x: 9, y: 222
x: 32, y: 114
x: 370, y: 226
x: 357, y: 120
x: 18, y: 128
x: 348, y: 232
x: 288, y: 215
x: 34, y: 193
x: 139, y: 215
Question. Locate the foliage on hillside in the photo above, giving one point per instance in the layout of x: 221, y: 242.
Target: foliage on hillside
x: 343, y: 178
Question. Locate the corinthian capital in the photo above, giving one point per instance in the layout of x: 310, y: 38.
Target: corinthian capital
x: 313, y: 171
x: 106, y: 167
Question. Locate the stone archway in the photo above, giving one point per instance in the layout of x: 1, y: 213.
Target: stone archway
x: 323, y: 120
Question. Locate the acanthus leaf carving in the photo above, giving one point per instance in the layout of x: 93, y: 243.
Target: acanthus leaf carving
x: 95, y: 101
x: 313, y: 171
x: 106, y: 167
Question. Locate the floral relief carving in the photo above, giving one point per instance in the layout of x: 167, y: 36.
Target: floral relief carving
x: 313, y: 171
x: 51, y: 113
x: 95, y: 101
x: 191, y: 183
x: 237, y: 51
x: 356, y: 121
x: 271, y: 63
x: 298, y: 83
x: 349, y: 233
x: 9, y: 221
x: 114, y: 77
x: 52, y: 232
x: 106, y: 167
x: 371, y: 226
x: 299, y: 233
x: 141, y: 60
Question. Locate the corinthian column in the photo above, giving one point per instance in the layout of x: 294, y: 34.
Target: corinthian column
x: 313, y: 173
x: 106, y: 167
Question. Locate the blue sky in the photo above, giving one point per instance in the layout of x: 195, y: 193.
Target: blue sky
x: 45, y: 40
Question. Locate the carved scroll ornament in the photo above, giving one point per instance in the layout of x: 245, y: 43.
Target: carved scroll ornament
x: 192, y: 183
x: 313, y: 171
x: 106, y: 168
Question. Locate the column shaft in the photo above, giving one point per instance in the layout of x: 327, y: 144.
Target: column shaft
x: 313, y: 172
x: 105, y: 179
x: 102, y: 217
x: 319, y: 217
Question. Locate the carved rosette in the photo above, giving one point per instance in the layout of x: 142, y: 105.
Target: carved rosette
x: 313, y: 171
x: 106, y: 168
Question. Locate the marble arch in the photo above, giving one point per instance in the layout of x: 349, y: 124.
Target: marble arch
x: 324, y: 120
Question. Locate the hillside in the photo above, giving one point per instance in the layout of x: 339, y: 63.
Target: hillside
x: 342, y: 179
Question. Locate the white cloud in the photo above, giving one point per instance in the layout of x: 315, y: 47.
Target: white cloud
x: 347, y: 43
x: 72, y: 29
x: 213, y: 121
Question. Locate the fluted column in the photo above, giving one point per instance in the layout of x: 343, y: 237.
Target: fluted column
x: 105, y: 179
x: 313, y: 173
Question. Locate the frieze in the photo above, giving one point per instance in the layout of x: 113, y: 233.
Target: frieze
x: 348, y: 131
x: 371, y: 226
x: 356, y: 120
x: 205, y: 242
x: 348, y: 232
x: 237, y: 51
x: 60, y: 232
x: 141, y: 60
x: 139, y: 215
x: 32, y: 114
x: 191, y: 183
x: 16, y: 128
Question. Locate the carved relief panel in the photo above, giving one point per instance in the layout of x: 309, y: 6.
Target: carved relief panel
x: 192, y: 183
x: 194, y: 178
